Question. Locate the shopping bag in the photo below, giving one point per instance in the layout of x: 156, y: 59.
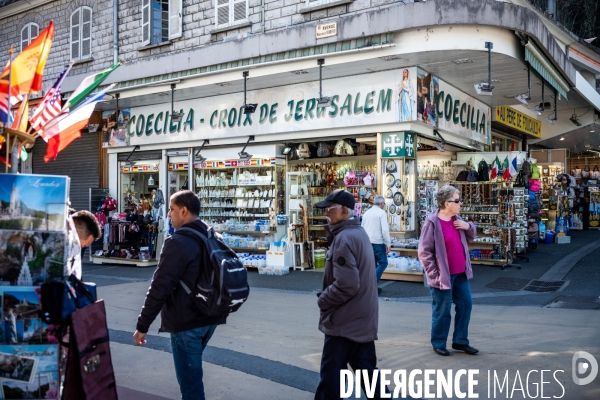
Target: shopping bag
x: 89, y: 373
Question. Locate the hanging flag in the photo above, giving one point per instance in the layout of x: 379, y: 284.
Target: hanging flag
x: 63, y: 130
x: 506, y: 175
x: 20, y: 122
x: 28, y: 66
x: 87, y: 86
x: 512, y: 167
x: 50, y: 105
x: 495, y: 167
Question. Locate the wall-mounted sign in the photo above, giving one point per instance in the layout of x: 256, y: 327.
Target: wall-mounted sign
x: 517, y: 120
x: 326, y: 30
x: 398, y: 145
x: 447, y: 108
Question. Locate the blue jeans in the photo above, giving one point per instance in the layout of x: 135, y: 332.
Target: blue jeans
x: 188, y: 347
x: 381, y: 262
x: 460, y: 295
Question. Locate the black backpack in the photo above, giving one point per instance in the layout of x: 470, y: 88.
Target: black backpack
x: 224, y: 287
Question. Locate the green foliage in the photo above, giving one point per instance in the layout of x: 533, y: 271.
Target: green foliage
x: 13, y: 251
x: 20, y: 223
x: 577, y: 16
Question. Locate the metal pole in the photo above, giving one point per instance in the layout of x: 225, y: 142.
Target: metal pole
x: 489, y: 46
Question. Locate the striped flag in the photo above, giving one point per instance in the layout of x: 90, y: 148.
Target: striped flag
x: 87, y: 86
x: 495, y: 168
x: 50, y: 105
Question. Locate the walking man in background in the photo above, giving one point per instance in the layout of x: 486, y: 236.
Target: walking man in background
x: 375, y: 223
x: 182, y: 258
x: 348, y: 302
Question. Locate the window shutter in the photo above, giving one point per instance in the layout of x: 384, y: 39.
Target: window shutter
x: 86, y: 32
x: 24, y: 37
x: 222, y: 9
x: 175, y: 18
x: 240, y: 10
x: 75, y: 35
x: 145, y: 22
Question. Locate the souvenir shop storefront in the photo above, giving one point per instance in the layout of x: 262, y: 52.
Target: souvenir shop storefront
x: 258, y: 175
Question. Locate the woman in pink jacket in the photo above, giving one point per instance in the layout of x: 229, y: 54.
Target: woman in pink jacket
x: 444, y: 253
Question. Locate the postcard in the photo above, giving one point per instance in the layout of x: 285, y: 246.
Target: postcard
x: 33, y: 202
x: 45, y: 382
x: 31, y: 258
x: 44, y: 386
x: 17, y: 368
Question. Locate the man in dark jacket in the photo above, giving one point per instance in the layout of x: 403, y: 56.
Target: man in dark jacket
x: 348, y: 301
x: 182, y: 258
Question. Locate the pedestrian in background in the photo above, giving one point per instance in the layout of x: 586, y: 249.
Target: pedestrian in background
x: 444, y: 253
x: 375, y: 223
x: 182, y: 258
x: 348, y: 302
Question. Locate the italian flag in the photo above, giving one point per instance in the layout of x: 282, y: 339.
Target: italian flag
x: 495, y: 168
x: 62, y: 131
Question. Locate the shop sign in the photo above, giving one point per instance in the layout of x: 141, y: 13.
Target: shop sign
x: 326, y: 30
x: 398, y: 145
x: 443, y: 106
x: 356, y: 101
x: 517, y: 120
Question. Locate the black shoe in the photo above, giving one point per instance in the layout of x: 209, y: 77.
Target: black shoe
x: 379, y: 290
x: 465, y: 347
x: 442, y: 351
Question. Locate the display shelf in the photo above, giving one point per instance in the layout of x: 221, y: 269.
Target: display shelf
x: 124, y: 261
x: 257, y: 249
x: 403, y: 276
x: 249, y: 232
x: 404, y: 249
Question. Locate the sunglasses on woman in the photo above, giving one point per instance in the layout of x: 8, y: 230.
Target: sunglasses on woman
x: 455, y: 201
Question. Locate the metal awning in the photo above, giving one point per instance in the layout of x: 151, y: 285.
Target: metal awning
x: 540, y: 63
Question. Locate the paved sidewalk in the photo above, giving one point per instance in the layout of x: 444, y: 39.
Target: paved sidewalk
x: 271, y: 348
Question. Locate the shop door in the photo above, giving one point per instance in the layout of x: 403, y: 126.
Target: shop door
x: 79, y: 161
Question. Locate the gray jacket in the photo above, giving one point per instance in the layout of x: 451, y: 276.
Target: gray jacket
x: 348, y: 303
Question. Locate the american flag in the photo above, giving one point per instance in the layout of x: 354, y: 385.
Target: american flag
x: 49, y: 107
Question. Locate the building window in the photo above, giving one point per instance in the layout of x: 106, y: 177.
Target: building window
x: 161, y: 20
x: 230, y: 12
x: 81, y: 34
x: 28, y: 33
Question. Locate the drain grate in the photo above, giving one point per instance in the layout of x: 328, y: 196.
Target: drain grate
x: 544, y: 286
x: 514, y: 284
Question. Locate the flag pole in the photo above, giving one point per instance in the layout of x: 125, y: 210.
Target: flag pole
x: 7, y: 136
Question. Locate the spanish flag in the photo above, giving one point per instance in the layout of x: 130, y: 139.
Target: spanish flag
x: 28, y: 67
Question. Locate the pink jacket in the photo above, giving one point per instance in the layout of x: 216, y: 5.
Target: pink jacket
x: 432, y: 252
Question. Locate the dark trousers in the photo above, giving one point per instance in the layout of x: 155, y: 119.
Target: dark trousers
x: 338, y: 352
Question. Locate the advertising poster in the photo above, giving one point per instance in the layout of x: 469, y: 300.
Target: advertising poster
x: 114, y: 128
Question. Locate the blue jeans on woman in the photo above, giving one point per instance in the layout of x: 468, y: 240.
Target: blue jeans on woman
x: 381, y: 261
x: 188, y: 347
x: 460, y: 295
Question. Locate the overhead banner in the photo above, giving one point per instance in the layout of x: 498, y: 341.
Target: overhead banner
x: 384, y: 98
x: 450, y: 110
x: 517, y: 120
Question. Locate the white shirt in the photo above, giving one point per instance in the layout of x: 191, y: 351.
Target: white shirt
x: 374, y: 222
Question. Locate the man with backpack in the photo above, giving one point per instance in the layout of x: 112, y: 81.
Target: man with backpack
x: 184, y: 261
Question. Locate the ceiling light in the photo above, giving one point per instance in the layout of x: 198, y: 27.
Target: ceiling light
x: 322, y: 101
x: 243, y: 154
x: 550, y: 120
x: 287, y: 150
x: 223, y: 84
x: 483, y: 89
x: 592, y: 131
x: 175, y: 116
x: 562, y: 138
x: 248, y: 108
x: 439, y: 145
x: 300, y: 72
x: 93, y: 128
x: 496, y: 81
x: 462, y: 61
x: 392, y: 57
x: 523, y: 99
x: 198, y: 157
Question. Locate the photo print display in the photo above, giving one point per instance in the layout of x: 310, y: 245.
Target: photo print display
x: 33, y: 202
x: 30, y: 258
x: 20, y: 322
x: 17, y: 368
x: 44, y: 380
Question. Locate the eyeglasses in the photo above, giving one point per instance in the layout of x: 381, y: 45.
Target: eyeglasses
x: 328, y: 209
x: 455, y: 201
